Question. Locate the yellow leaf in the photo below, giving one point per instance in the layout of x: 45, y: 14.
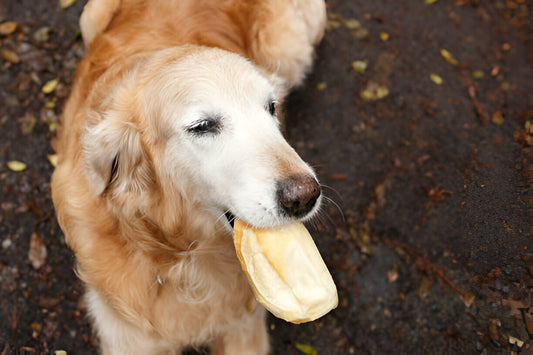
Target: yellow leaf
x: 52, y: 158
x: 360, y: 66
x: 15, y: 165
x: 431, y: 1
x: 384, y: 36
x: 374, y: 91
x: 50, y: 86
x: 435, y: 78
x: 497, y: 117
x: 66, y: 3
x: 52, y: 126
x: 306, y: 349
x: 321, y: 86
x: 10, y: 56
x: 448, y: 57
x: 478, y: 74
x: 7, y: 28
x: 352, y: 24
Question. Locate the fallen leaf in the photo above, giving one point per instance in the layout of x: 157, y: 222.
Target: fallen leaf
x: 384, y: 36
x: 529, y: 126
x: 518, y: 342
x: 66, y: 3
x: 321, y: 86
x: 10, y: 56
x: 468, y: 299
x: 52, y: 126
x: 50, y: 86
x: 42, y: 34
x: 431, y: 1
x: 352, y: 24
x: 435, y: 78
x: 497, y: 117
x: 448, y: 57
x: 478, y: 74
x: 37, y: 253
x: 392, y: 275
x: 306, y: 349
x: 15, y: 165
x: 374, y: 91
x: 360, y: 66
x: 7, y: 28
x: 423, y: 288
x: 27, y: 123
x: 52, y: 158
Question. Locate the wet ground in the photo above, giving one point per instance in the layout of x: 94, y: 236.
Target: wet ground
x: 417, y: 117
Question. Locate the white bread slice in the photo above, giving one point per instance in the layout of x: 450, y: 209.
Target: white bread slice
x: 286, y: 271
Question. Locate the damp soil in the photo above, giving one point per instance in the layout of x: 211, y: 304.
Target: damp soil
x: 417, y: 117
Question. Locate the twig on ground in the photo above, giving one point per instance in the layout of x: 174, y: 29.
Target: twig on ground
x: 428, y: 264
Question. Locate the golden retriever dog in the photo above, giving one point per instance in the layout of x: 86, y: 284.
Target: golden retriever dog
x: 170, y: 131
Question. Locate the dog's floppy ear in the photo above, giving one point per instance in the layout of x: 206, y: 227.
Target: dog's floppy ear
x: 115, y: 156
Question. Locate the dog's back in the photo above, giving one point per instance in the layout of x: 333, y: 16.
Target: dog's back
x: 161, y: 272
x: 278, y: 35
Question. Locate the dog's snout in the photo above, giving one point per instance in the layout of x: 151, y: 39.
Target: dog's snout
x: 298, y: 195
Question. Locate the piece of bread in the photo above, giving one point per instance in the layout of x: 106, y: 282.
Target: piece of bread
x: 286, y: 271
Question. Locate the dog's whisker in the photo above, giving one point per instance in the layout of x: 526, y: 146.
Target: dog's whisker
x: 332, y: 202
x: 332, y: 189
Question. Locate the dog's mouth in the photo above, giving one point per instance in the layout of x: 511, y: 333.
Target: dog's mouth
x: 231, y: 218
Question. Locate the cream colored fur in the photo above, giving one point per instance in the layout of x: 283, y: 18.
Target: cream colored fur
x: 141, y: 195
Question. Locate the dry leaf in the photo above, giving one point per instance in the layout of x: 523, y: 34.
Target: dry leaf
x: 478, y: 74
x: 10, y: 56
x: 518, y: 342
x: 28, y: 123
x: 392, y: 275
x: 37, y: 253
x: 497, y: 117
x: 448, y: 57
x: 352, y: 24
x: 384, y: 36
x: 306, y: 349
x: 66, y: 3
x: 423, y: 288
x: 431, y: 1
x: 374, y: 91
x: 7, y: 28
x: 435, y: 78
x: 360, y: 66
x: 468, y: 299
x: 15, y: 165
x: 321, y: 86
x: 42, y: 34
x: 50, y: 86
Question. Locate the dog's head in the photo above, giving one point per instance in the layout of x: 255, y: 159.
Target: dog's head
x: 200, y: 125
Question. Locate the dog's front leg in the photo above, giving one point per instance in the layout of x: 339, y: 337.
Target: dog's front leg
x: 248, y: 336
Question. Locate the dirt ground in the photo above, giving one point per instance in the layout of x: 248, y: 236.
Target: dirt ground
x: 417, y: 117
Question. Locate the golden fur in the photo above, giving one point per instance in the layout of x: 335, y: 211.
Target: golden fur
x: 151, y: 243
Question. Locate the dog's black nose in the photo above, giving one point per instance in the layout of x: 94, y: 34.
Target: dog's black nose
x: 298, y: 195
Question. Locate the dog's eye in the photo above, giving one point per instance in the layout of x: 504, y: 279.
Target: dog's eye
x: 205, y: 126
x: 272, y: 108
